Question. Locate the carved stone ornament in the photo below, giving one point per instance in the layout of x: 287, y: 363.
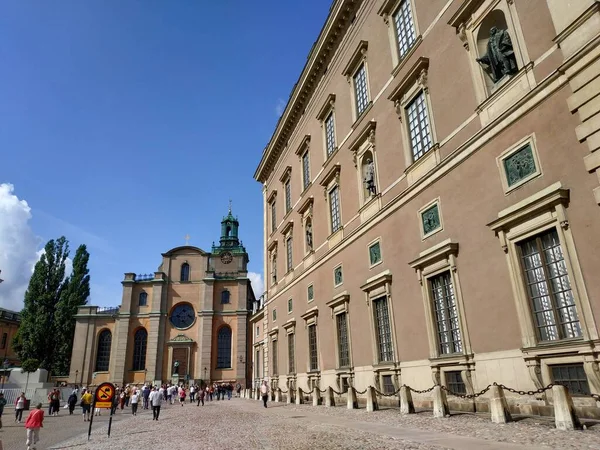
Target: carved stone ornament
x: 535, y: 372
x: 423, y: 80
x: 371, y: 137
x: 462, y: 35
x: 399, y: 109
x: 468, y: 381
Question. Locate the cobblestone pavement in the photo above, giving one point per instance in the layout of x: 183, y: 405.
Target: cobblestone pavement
x: 245, y: 424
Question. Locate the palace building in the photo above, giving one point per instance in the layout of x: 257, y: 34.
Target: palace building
x: 431, y: 204
x: 186, y: 322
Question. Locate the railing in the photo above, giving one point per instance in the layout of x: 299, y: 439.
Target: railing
x: 10, y: 315
x: 108, y: 310
x: 144, y: 277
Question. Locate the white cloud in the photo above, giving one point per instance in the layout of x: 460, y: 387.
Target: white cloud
x: 280, y: 107
x: 18, y: 248
x: 68, y: 262
x: 258, y: 285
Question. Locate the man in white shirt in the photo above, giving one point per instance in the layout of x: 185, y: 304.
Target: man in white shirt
x: 264, y: 391
x: 135, y: 397
x: 155, y: 400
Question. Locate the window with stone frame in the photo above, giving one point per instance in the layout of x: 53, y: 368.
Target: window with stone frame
x: 446, y: 314
x: 224, y: 348
x: 225, y: 296
x: 258, y: 363
x: 305, y: 169
x: 143, y: 299
x: 291, y: 353
x: 312, y: 348
x: 388, y: 384
x: 140, y: 342
x: 572, y: 376
x: 361, y: 92
x: 374, y: 253
x: 430, y: 217
x: 330, y: 143
x: 185, y: 272
x: 519, y: 164
x: 334, y: 209
x: 288, y: 196
x: 289, y: 254
x: 455, y: 383
x: 273, y: 216
x: 383, y: 331
x: 274, y: 313
x: 103, y: 353
x: 549, y: 288
x: 274, y: 357
x: 290, y: 305
x: 404, y: 27
x: 338, y: 276
x: 341, y: 321
x: 417, y: 116
x: 310, y: 293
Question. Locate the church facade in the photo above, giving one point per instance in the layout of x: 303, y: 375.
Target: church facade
x: 185, y: 322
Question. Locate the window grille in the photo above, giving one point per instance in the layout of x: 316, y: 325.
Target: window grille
x: 418, y: 126
x: 291, y: 356
x: 312, y: 347
x: 143, y: 299
x: 455, y: 383
x: 573, y: 377
x: 288, y: 197
x: 273, y: 217
x: 405, y: 28
x: 305, y: 170
x: 224, y: 348
x: 388, y: 384
x: 185, y: 272
x: 360, y: 90
x: 383, y: 329
x: 140, y: 342
x: 334, y: 209
x: 446, y: 314
x: 274, y: 358
x: 343, y: 348
x: 330, y: 134
x: 549, y: 288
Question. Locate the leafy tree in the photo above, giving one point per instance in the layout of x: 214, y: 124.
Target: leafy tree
x: 30, y: 365
x: 75, y: 294
x: 36, y: 336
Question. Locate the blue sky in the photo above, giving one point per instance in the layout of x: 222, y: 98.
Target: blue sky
x: 127, y: 124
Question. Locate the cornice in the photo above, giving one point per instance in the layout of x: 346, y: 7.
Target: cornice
x: 303, y: 145
x: 363, y: 134
x: 271, y: 196
x: 413, y: 74
x: 330, y: 37
x: 356, y: 57
x: 330, y: 175
x: 306, y: 205
x: 464, y: 12
x: 286, y: 174
x: 327, y: 106
x: 288, y: 226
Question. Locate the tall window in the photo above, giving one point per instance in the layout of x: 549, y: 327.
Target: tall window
x: 405, y: 28
x: 312, y: 347
x: 572, y: 376
x: 291, y: 355
x: 334, y: 209
x: 273, y: 217
x: 418, y: 126
x: 549, y: 288
x: 103, y: 354
x: 4, y: 339
x: 342, y: 335
x: 140, y: 342
x: 274, y: 357
x: 330, y: 134
x: 288, y: 196
x: 383, y: 330
x: 446, y: 314
x: 143, y: 299
x: 225, y: 296
x: 290, y: 262
x: 257, y: 363
x: 224, y: 348
x: 305, y: 170
x: 361, y: 94
x: 185, y: 272
x: 455, y: 383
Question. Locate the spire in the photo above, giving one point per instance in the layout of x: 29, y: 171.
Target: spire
x: 229, y: 206
x: 229, y: 230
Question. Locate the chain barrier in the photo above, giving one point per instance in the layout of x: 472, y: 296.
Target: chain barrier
x: 360, y: 392
x: 416, y: 391
x: 282, y: 391
x: 477, y: 394
x: 387, y: 395
x: 514, y: 391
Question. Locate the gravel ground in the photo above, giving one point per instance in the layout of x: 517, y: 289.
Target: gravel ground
x: 244, y: 424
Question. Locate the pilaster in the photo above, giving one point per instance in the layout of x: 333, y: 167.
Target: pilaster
x: 154, y: 356
x: 205, y: 328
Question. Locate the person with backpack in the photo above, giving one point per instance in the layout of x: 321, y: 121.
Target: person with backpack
x: 72, y: 401
x: 34, y: 422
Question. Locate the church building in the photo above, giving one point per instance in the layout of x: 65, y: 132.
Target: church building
x: 185, y: 322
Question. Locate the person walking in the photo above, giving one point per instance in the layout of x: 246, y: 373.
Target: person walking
x: 264, y: 391
x: 135, y: 397
x: 72, y: 401
x: 238, y: 388
x: 2, y: 405
x: 155, y: 399
x: 34, y: 422
x: 146, y: 396
x: 182, y: 395
x: 19, y: 407
x: 86, y: 404
x: 201, y: 394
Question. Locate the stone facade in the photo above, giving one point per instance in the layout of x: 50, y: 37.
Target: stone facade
x: 193, y: 310
x: 9, y: 324
x: 474, y: 258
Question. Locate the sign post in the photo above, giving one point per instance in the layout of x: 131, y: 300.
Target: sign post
x: 103, y: 398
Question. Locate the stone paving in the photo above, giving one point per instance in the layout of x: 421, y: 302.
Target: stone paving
x: 245, y: 424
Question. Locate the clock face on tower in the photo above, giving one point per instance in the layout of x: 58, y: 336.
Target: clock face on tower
x: 182, y: 316
x: 226, y: 257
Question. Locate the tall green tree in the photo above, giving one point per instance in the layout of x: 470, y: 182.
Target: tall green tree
x: 75, y: 294
x: 36, y: 336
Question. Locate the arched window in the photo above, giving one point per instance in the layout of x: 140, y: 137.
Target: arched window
x: 185, y: 272
x: 143, y: 301
x: 140, y: 342
x: 103, y: 354
x: 225, y: 296
x: 228, y: 231
x: 224, y: 348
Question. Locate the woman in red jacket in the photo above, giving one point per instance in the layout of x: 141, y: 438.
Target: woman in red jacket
x: 34, y: 422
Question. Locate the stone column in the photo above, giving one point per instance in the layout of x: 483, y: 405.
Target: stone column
x: 154, y: 356
x: 352, y: 402
x: 372, y: 404
x: 329, y: 398
x: 205, y: 328
x: 257, y: 395
x: 498, y: 406
x: 564, y: 412
x: 440, y: 403
x: 299, y: 399
x: 316, y: 397
x: 406, y: 402
x: 277, y: 395
x: 242, y: 331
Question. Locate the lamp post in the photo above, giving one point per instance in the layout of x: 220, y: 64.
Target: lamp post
x: 5, y: 365
x: 76, y: 374
x: 145, y: 375
x: 205, y: 380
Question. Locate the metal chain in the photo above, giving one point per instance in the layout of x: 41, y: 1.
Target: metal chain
x: 514, y: 391
x: 360, y: 392
x: 283, y: 392
x: 425, y: 391
x: 483, y: 391
x: 336, y: 392
x: 387, y: 395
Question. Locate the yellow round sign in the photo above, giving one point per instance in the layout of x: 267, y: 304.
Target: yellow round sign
x: 104, y: 395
